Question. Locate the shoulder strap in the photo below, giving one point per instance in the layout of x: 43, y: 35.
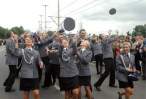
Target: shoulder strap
x: 121, y: 57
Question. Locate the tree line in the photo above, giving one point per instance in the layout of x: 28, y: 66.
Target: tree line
x: 139, y: 29
x: 5, y: 31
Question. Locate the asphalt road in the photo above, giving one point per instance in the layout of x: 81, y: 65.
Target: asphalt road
x: 54, y: 93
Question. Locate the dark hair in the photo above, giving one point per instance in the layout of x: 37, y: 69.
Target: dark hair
x: 61, y: 31
x: 100, y: 36
x: 82, y: 30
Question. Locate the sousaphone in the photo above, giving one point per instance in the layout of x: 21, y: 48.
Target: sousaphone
x: 69, y: 24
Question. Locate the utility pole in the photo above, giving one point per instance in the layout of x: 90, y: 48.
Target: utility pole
x: 41, y: 22
x: 45, y: 16
x: 58, y: 14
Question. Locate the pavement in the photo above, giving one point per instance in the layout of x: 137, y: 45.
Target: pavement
x: 54, y: 93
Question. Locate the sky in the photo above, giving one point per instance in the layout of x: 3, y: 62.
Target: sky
x: 92, y: 15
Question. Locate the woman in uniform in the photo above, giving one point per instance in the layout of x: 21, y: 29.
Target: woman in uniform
x: 29, y: 79
x: 84, y: 55
x: 69, y: 81
x: 125, y: 63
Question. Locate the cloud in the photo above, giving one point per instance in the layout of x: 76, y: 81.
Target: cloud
x: 126, y: 12
x: 94, y: 16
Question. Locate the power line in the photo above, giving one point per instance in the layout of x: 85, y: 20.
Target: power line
x: 94, y: 6
x: 69, y: 4
x: 84, y: 10
x: 81, y: 7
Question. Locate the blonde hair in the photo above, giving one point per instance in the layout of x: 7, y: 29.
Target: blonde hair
x: 127, y: 43
x: 26, y: 34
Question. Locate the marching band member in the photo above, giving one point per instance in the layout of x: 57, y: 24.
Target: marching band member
x: 84, y: 56
x: 11, y: 61
x: 108, y: 59
x: 42, y: 45
x: 96, y: 47
x: 43, y: 50
x: 54, y: 59
x: 69, y: 81
x: 125, y: 63
x: 29, y: 78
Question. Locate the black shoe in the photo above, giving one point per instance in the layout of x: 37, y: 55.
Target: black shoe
x: 97, y: 87
x: 144, y: 79
x: 9, y: 90
x: 119, y: 95
x: 113, y: 86
x: 4, y: 84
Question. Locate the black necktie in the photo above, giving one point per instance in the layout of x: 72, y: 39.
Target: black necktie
x: 127, y: 60
x: 65, y: 49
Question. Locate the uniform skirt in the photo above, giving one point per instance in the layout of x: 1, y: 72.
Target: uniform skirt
x: 28, y: 84
x: 126, y: 84
x: 68, y: 83
x: 85, y: 80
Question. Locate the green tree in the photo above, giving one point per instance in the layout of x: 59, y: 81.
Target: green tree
x: 140, y: 29
x: 3, y: 32
x: 18, y: 30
